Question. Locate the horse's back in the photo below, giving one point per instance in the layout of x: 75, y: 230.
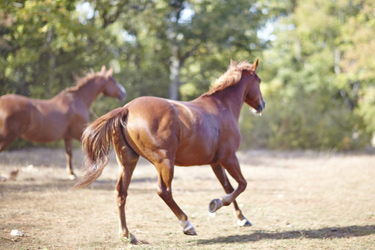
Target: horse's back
x: 157, y: 126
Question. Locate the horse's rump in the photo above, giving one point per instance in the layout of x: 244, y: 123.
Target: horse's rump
x: 15, y: 111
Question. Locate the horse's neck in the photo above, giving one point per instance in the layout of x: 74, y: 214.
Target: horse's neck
x: 89, y: 91
x: 233, y: 98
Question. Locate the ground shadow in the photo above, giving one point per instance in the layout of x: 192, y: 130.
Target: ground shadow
x: 323, y: 233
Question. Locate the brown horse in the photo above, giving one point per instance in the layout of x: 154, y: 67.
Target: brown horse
x: 168, y: 133
x: 63, y: 117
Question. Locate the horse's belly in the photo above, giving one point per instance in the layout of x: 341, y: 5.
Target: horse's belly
x: 195, y: 155
x: 43, y: 129
x: 42, y: 135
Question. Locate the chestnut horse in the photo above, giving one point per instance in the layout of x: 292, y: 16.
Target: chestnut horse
x: 63, y: 117
x: 168, y: 133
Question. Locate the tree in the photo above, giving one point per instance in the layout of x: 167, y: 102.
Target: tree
x: 42, y: 44
x: 357, y: 65
x: 180, y: 37
x: 313, y: 101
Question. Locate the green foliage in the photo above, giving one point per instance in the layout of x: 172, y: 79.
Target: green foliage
x: 308, y: 121
x: 318, y: 90
x: 317, y: 74
x: 43, y: 43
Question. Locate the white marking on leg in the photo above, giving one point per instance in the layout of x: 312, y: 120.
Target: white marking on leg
x: 244, y: 222
x: 186, y: 225
x: 241, y: 223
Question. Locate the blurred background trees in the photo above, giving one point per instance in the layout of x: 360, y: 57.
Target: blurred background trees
x: 316, y: 58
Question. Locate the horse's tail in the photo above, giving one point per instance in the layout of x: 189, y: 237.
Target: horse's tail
x: 96, y: 143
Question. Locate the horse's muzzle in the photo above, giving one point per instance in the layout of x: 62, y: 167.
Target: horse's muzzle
x: 261, y: 107
x: 123, y: 92
x: 122, y: 97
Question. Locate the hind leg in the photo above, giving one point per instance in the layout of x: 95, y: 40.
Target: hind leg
x: 166, y: 170
x: 68, y: 156
x: 222, y: 177
x: 127, y: 160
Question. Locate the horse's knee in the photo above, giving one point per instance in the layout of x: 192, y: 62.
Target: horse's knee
x: 121, y: 198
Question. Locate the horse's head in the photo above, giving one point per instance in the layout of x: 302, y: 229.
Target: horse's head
x: 253, y: 95
x: 111, y: 87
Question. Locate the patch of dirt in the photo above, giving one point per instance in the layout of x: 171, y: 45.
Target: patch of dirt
x: 295, y: 200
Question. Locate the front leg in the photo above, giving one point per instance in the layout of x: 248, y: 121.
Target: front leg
x: 216, y: 203
x: 232, y: 165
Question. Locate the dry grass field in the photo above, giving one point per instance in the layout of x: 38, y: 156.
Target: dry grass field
x: 295, y: 200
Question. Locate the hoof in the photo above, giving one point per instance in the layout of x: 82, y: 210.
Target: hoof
x: 130, y: 239
x: 244, y: 223
x: 190, y: 231
x: 72, y: 177
x: 214, y: 205
x: 187, y: 228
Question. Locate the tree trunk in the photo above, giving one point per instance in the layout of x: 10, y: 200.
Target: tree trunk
x: 174, y: 77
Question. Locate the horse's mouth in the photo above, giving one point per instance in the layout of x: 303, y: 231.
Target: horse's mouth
x: 259, y: 109
x: 256, y: 112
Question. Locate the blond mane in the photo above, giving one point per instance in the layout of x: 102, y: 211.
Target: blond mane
x: 231, y: 77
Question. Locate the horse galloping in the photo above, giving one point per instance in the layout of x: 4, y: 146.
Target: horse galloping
x: 63, y: 117
x: 168, y: 133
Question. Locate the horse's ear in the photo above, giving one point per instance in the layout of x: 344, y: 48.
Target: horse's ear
x: 233, y: 63
x: 255, y: 65
x: 109, y: 72
x: 103, y: 69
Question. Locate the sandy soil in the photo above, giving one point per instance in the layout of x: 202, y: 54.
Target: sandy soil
x: 295, y: 200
